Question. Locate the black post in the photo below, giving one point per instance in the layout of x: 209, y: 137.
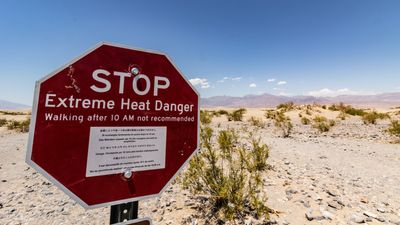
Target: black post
x: 124, y: 212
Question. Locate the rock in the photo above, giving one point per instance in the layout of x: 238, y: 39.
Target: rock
x: 306, y: 204
x: 290, y: 191
x: 357, y: 218
x: 364, y: 200
x: 285, y: 222
x: 335, y: 205
x: 309, y: 215
x: 332, y: 192
x: 381, y: 210
x: 370, y: 214
x: 327, y: 215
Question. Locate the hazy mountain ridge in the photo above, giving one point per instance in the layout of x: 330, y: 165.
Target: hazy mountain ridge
x: 12, y: 105
x: 268, y: 100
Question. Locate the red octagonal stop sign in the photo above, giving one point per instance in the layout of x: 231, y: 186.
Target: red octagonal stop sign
x: 115, y: 125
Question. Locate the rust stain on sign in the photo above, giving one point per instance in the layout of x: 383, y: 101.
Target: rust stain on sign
x: 74, y: 84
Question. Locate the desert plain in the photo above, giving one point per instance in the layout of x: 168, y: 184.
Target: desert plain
x: 347, y: 175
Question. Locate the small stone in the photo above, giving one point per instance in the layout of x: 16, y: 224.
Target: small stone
x: 327, y: 215
x: 306, y: 204
x: 335, y: 205
x: 381, y: 210
x: 309, y: 215
x: 358, y: 218
x: 364, y: 200
x: 332, y: 192
x: 370, y: 214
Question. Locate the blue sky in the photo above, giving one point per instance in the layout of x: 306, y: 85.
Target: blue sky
x: 323, y: 48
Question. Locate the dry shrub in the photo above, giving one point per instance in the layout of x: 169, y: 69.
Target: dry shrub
x: 342, y: 116
x: 372, y: 117
x: 20, y: 126
x: 205, y: 117
x: 284, y: 124
x: 286, y: 107
x: 270, y: 114
x: 305, y: 121
x: 394, y: 128
x: 322, y: 124
x: 229, y: 176
x: 14, y: 113
x: 237, y: 115
x: 3, y: 122
x: 347, y: 109
x: 257, y: 122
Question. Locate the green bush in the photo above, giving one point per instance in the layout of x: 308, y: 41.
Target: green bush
x: 205, y: 117
x: 322, y: 127
x: 320, y: 119
x: 227, y: 139
x: 270, y: 114
x: 14, y: 113
x: 342, y: 116
x: 257, y: 122
x: 259, y: 156
x: 354, y: 112
x: 3, y: 122
x: 222, y: 112
x: 305, y: 121
x: 348, y: 109
x: 322, y: 124
x: 237, y: 115
x: 288, y: 106
x: 372, y: 117
x: 232, y: 183
x: 283, y: 123
x: 20, y: 126
x: 394, y: 128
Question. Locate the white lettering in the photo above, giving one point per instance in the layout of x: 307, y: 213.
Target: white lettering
x: 48, y: 100
x: 96, y: 77
x: 122, y: 76
x: 135, y: 84
x: 157, y: 84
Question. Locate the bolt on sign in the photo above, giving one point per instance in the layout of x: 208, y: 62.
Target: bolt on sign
x: 114, y: 125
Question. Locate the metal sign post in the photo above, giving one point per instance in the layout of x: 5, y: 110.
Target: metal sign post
x: 124, y: 212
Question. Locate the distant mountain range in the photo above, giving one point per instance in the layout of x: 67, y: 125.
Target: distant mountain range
x: 268, y: 100
x: 12, y: 105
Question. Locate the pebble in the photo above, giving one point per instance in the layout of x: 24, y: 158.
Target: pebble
x: 357, y: 218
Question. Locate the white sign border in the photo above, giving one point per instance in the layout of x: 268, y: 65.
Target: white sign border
x: 31, y: 163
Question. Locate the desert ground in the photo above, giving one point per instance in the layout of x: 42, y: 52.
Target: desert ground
x: 348, y: 175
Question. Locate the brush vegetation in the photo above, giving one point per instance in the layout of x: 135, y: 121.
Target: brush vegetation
x: 283, y: 123
x: 322, y: 124
x: 305, y: 121
x: 20, y: 126
x: 394, y: 128
x: 286, y: 107
x: 228, y: 174
x: 12, y: 113
x: 236, y: 115
x: 257, y: 122
x: 373, y: 117
x: 205, y: 117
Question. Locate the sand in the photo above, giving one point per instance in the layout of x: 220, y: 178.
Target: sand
x: 349, y: 175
